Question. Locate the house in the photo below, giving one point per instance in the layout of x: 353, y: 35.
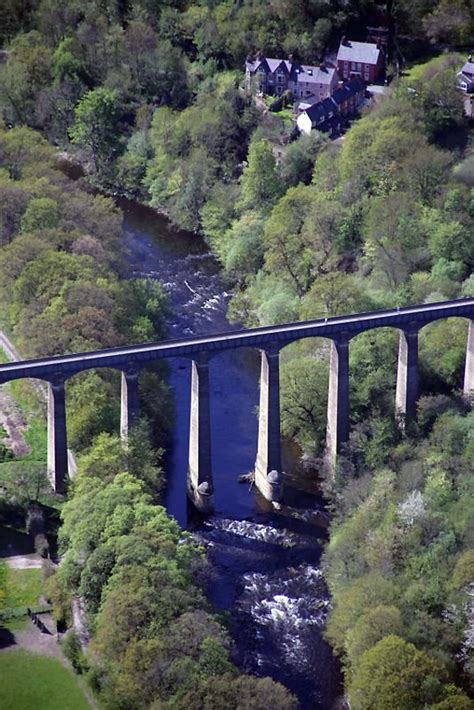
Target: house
x: 275, y: 76
x: 465, y: 78
x: 306, y: 103
x: 329, y: 113
x: 317, y: 116
x: 349, y: 97
x: 318, y: 81
x: 362, y: 59
x: 270, y: 76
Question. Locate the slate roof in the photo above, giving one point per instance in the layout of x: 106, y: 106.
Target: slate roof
x: 363, y: 52
x: 313, y: 75
x: 322, y: 111
x: 307, y: 102
x: 467, y: 78
x: 353, y: 87
x: 270, y: 64
x: 297, y: 72
x: 468, y: 68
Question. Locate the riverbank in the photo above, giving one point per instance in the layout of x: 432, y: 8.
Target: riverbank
x: 264, y: 569
x: 253, y: 551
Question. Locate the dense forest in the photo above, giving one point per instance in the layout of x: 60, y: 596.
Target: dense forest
x: 149, y: 96
x: 61, y: 262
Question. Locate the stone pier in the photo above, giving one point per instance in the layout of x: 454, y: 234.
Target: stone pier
x: 407, y: 377
x: 57, y: 436
x: 129, y: 403
x: 269, y: 340
x: 337, y: 431
x: 268, y: 473
x: 469, y: 368
x: 200, y: 485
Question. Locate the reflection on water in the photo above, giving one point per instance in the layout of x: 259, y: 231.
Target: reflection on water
x: 264, y: 563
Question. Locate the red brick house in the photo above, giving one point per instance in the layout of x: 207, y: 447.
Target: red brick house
x: 360, y: 59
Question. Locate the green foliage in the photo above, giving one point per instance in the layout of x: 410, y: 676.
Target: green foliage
x: 41, y: 213
x: 395, y: 674
x: 149, y: 92
x: 134, y: 567
x: 3, y: 584
x: 260, y: 182
x: 463, y: 572
x: 303, y: 391
x: 299, y: 158
x: 72, y: 649
x: 95, y: 125
x: 234, y: 693
x: 371, y: 628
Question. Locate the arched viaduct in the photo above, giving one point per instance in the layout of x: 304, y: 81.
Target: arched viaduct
x: 269, y: 341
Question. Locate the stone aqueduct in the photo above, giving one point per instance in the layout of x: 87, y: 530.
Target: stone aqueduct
x: 269, y: 341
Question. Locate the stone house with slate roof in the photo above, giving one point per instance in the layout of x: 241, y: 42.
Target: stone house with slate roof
x: 361, y: 59
x: 465, y: 82
x: 466, y: 77
x: 275, y: 76
x: 328, y: 114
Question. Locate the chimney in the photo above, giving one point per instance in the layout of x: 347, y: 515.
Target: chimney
x: 469, y: 59
x: 344, y: 39
x: 291, y: 58
x: 322, y: 66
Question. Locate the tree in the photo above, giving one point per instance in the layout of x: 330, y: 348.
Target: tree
x: 298, y: 161
x: 41, y: 213
x: 355, y: 600
x: 96, y: 126
x: 26, y: 72
x: 303, y: 394
x: 287, y: 247
x: 260, y: 183
x: 371, y: 628
x: 394, y: 674
x: 243, y: 246
x: 334, y: 294
x: 234, y: 693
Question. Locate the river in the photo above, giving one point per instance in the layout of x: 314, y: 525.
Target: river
x: 264, y: 564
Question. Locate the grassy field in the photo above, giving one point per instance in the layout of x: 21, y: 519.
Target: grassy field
x: 24, y: 586
x: 32, y: 682
x: 417, y: 71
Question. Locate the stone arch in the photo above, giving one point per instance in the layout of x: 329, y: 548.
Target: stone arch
x: 457, y: 330
x: 309, y: 357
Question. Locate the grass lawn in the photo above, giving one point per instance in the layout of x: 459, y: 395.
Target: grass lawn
x: 24, y: 586
x: 417, y: 71
x: 33, y: 682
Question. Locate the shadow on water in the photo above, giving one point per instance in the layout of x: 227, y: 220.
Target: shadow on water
x: 264, y: 564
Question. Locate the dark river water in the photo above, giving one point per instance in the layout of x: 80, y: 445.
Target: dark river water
x: 264, y: 564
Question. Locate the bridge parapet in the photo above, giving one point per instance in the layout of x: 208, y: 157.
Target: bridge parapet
x: 269, y: 340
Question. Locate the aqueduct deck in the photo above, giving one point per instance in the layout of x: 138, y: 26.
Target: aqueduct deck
x: 269, y: 340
